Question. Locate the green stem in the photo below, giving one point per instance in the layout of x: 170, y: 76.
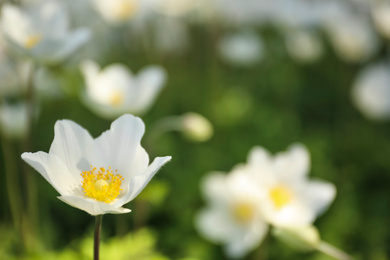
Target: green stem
x: 333, y: 251
x: 96, y: 241
x: 12, y: 183
x: 29, y: 177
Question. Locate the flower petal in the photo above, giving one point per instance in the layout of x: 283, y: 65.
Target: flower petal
x: 258, y: 156
x: 215, y: 224
x: 92, y: 206
x: 121, y: 149
x: 149, y: 84
x: 249, y: 239
x: 293, y: 164
x: 74, y: 145
x: 214, y: 186
x: 73, y: 41
x: 318, y: 195
x: 138, y: 183
x: 53, y: 170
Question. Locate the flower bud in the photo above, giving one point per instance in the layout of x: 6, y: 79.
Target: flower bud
x: 302, y: 238
x: 196, y: 127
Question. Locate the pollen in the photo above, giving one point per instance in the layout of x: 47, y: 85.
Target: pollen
x: 125, y: 9
x: 280, y: 196
x: 32, y: 40
x: 116, y: 99
x: 243, y: 212
x: 101, y: 184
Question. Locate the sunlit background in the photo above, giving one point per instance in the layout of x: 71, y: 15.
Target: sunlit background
x: 211, y: 79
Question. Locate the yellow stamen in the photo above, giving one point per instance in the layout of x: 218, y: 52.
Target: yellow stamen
x: 243, y: 212
x: 32, y: 40
x: 116, y: 99
x: 101, y: 184
x: 125, y: 9
x: 280, y: 196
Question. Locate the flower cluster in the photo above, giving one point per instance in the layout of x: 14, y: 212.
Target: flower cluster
x: 265, y: 191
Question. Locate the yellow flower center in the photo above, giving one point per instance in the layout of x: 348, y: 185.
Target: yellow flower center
x: 125, y: 9
x: 243, y: 212
x: 101, y: 184
x: 280, y: 196
x: 32, y: 40
x: 116, y: 99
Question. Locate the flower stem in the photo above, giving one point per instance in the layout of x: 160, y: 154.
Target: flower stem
x: 333, y: 251
x: 96, y: 241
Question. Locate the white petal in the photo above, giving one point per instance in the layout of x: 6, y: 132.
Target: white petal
x: 55, y: 19
x: 215, y: 224
x: 318, y: 195
x: 149, y: 84
x: 294, y: 163
x: 258, y: 156
x: 138, y: 183
x: 71, y: 43
x: 249, y: 239
x: 121, y: 149
x: 90, y: 70
x: 214, y: 186
x: 53, y: 170
x: 92, y: 206
x: 74, y: 145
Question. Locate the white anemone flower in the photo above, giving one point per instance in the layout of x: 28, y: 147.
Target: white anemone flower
x: 371, y: 91
x: 304, y: 46
x: 244, y: 48
x: 41, y: 31
x: 380, y: 11
x: 97, y: 175
x: 13, y: 120
x: 233, y: 215
x: 120, y: 11
x: 352, y: 37
x: 114, y: 90
x: 288, y: 197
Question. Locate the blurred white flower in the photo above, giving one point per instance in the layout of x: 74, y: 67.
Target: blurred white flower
x: 196, y: 127
x: 13, y: 120
x: 243, y: 48
x: 233, y: 215
x: 41, y: 31
x: 288, y: 197
x: 304, y: 46
x: 193, y: 126
x: 371, y: 91
x: 114, y: 90
x: 353, y: 37
x: 175, y: 7
x: 380, y: 11
x: 120, y: 11
x: 97, y: 175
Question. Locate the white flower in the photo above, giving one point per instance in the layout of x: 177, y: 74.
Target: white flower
x: 233, y: 216
x: 288, y: 197
x: 119, y: 11
x: 353, y: 37
x: 243, y: 48
x: 114, y: 91
x: 13, y: 120
x: 97, y: 175
x: 304, y: 46
x: 371, y: 91
x: 41, y: 31
x: 381, y: 16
